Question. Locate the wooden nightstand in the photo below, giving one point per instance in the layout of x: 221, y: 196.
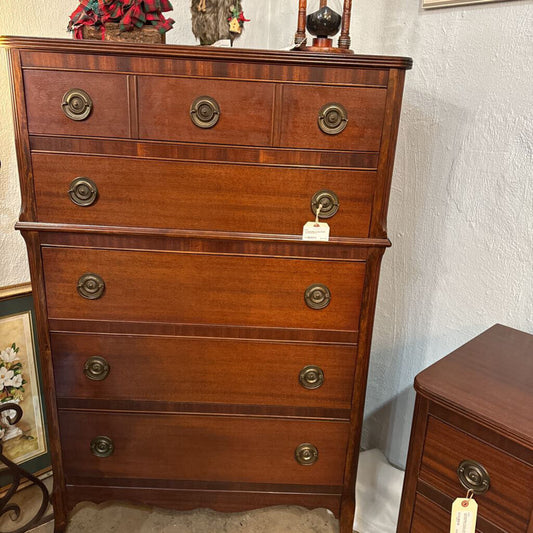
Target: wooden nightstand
x: 473, y: 420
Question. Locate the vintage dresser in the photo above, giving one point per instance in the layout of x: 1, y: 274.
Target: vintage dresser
x: 473, y: 429
x: 197, y: 352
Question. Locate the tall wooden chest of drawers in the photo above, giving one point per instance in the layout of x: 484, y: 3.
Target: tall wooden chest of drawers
x: 473, y: 429
x: 196, y: 351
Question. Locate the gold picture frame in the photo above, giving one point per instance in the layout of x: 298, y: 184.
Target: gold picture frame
x: 19, y: 351
x: 430, y: 4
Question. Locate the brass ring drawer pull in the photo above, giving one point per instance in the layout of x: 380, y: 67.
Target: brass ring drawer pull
x: 83, y: 192
x: 473, y: 476
x: 77, y: 104
x: 332, y: 118
x: 91, y: 286
x: 306, y: 454
x: 205, y: 112
x: 329, y: 202
x: 96, y: 368
x: 317, y: 296
x: 311, y: 377
x: 102, y: 446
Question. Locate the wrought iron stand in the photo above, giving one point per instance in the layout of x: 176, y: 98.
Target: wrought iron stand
x: 18, y: 474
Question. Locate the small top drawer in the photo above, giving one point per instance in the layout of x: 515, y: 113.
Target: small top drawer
x: 76, y: 103
x: 333, y: 118
x: 205, y: 110
x: 509, y: 500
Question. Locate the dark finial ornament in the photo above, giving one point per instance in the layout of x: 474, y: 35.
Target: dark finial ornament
x: 324, y: 23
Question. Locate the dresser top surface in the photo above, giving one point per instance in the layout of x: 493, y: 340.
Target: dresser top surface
x: 205, y: 53
x: 489, y: 379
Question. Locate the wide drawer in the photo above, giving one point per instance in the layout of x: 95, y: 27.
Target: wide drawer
x: 244, y: 114
x: 508, y: 502
x: 201, y: 448
x: 304, y: 105
x: 46, y: 89
x: 202, y: 289
x: 203, y: 370
x: 165, y: 194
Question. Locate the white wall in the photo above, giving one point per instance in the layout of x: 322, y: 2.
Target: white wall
x: 461, y: 205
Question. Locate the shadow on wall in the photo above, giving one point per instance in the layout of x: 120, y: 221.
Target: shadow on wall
x: 410, y: 293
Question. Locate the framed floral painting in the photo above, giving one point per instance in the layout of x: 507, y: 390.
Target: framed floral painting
x: 449, y: 3
x: 25, y: 443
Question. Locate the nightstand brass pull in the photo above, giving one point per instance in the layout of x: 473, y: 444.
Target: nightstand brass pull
x: 91, y: 286
x: 306, y: 454
x: 311, y: 377
x: 83, y: 192
x: 473, y: 476
x: 205, y: 112
x: 77, y: 104
x: 329, y: 202
x: 317, y: 296
x: 332, y: 118
x: 96, y: 368
x: 102, y: 446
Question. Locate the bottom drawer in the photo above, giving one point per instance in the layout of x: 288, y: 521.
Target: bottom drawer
x: 200, y: 448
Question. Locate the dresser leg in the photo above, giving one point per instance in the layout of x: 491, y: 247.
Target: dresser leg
x: 60, y: 527
x: 346, y: 516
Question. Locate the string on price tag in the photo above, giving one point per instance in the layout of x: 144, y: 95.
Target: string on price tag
x: 464, y: 514
x: 316, y: 231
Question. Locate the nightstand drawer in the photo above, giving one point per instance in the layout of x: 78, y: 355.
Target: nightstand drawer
x: 508, y: 501
x: 216, y: 197
x: 135, y: 286
x: 98, y: 445
x: 333, y: 118
x: 203, y: 370
x: 205, y: 111
x: 77, y: 103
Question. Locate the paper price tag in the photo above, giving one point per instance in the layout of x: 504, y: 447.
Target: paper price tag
x: 316, y: 231
x: 464, y: 515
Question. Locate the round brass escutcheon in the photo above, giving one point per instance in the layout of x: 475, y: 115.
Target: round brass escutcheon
x: 77, y: 104
x: 317, y: 296
x: 102, y: 446
x: 332, y: 118
x: 83, y: 192
x: 91, y: 286
x: 306, y: 454
x: 329, y: 202
x: 311, y: 377
x: 96, y: 368
x: 473, y: 476
x: 205, y: 112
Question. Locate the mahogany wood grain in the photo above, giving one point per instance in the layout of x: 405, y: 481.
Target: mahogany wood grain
x: 209, y: 370
x: 229, y: 501
x: 44, y: 93
x: 205, y: 153
x: 202, y: 448
x: 301, y: 109
x: 200, y: 196
x: 165, y: 104
x: 508, y: 501
x: 202, y: 289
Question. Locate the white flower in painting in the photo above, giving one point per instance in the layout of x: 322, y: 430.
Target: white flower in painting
x: 5, y: 377
x: 9, y: 355
x: 15, y: 381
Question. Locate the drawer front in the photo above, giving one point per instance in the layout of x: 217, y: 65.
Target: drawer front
x: 203, y: 370
x: 203, y: 289
x: 239, y: 198
x: 245, y: 110
x: 202, y: 448
x: 365, y: 111
x: 509, y: 500
x: 44, y: 96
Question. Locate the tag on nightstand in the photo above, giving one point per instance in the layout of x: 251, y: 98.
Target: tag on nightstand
x: 316, y: 231
x: 464, y: 515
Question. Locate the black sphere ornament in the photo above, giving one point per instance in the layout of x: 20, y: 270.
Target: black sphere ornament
x: 324, y: 23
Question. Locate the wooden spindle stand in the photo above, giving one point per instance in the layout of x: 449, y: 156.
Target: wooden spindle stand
x: 321, y: 44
